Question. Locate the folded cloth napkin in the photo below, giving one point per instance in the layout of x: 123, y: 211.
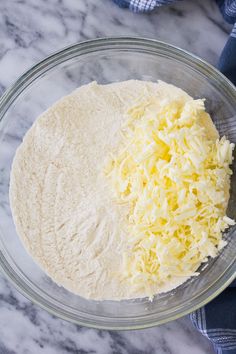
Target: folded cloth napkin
x: 216, y: 320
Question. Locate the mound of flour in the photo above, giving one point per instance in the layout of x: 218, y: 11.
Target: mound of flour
x: 60, y: 199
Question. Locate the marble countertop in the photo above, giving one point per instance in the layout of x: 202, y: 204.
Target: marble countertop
x: 31, y: 30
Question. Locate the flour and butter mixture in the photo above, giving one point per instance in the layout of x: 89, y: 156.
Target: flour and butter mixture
x: 120, y: 191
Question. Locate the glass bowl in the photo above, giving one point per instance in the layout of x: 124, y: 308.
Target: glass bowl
x: 109, y: 60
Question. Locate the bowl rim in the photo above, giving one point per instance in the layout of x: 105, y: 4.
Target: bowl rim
x: 28, y: 77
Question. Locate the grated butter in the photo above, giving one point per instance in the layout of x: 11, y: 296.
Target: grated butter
x: 174, y: 177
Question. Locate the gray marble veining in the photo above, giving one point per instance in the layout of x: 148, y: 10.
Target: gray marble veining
x: 26, y: 329
x: 33, y: 29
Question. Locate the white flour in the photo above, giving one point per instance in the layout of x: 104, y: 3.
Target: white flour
x: 60, y: 200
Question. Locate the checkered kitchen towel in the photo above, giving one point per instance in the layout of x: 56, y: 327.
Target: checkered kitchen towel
x: 217, y: 320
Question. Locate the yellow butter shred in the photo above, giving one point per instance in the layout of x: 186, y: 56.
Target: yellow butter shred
x: 175, y: 178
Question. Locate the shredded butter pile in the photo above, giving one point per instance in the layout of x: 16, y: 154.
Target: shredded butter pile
x: 175, y: 178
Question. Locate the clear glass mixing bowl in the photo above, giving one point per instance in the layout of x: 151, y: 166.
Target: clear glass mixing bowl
x: 109, y: 60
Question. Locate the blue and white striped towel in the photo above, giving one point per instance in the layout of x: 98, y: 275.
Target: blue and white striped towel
x: 217, y: 320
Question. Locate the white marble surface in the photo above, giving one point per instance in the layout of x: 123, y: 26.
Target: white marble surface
x: 32, y: 29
